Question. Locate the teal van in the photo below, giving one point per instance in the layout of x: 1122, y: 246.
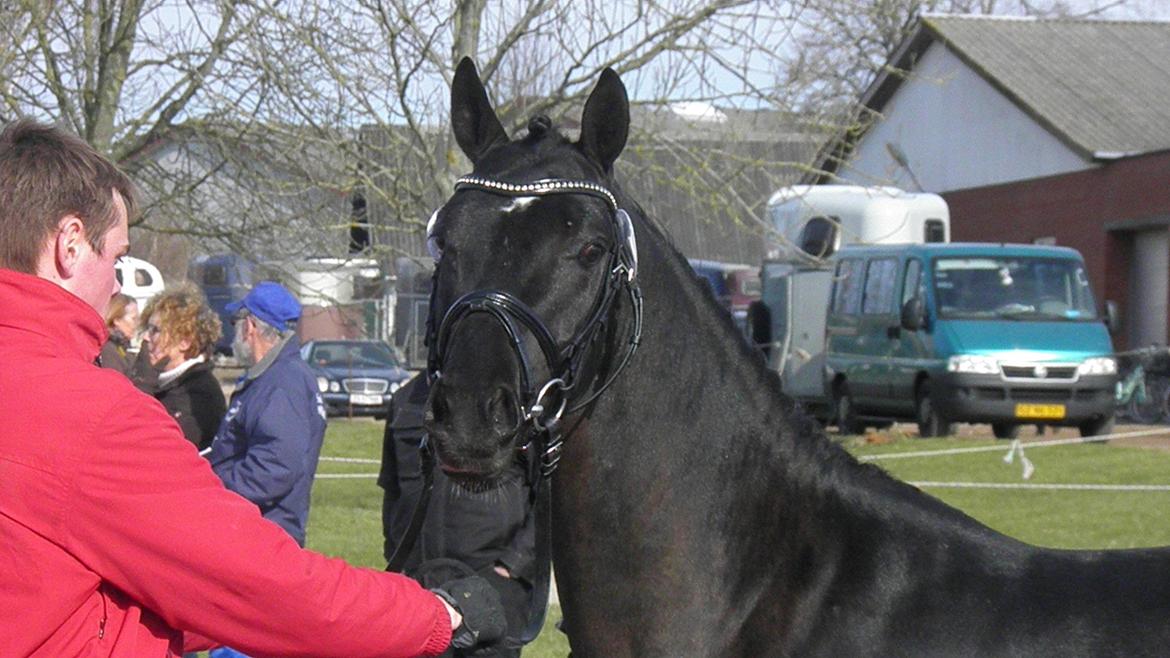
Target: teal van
x: 976, y: 333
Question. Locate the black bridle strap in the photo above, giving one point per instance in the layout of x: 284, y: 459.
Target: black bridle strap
x: 503, y: 307
x: 427, y: 465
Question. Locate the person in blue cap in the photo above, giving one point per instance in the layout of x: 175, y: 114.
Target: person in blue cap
x: 267, y: 446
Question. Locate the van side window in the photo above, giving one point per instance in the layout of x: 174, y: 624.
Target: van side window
x: 934, y: 231
x: 912, y: 282
x: 847, y: 288
x: 879, y: 286
x: 142, y: 278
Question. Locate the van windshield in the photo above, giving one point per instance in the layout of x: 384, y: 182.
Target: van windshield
x: 1016, y: 288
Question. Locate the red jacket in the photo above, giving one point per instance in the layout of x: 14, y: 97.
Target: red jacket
x: 115, y: 536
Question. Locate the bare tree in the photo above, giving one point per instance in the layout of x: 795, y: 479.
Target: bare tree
x: 254, y: 126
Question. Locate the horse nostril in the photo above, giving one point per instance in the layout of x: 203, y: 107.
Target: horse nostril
x: 503, y: 413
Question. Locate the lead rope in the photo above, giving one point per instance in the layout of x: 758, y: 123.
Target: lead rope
x: 427, y: 465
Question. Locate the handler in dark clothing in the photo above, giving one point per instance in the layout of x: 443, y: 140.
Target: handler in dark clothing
x: 492, y: 532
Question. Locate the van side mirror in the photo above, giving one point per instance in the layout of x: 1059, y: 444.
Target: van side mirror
x: 1112, y: 321
x: 913, y: 314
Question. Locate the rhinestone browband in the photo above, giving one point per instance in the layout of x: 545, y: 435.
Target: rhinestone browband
x: 538, y: 188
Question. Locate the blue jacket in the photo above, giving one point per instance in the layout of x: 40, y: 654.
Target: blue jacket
x: 268, y: 444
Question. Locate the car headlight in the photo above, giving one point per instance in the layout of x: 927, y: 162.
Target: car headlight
x: 393, y: 387
x: 1098, y: 365
x: 335, y: 387
x: 972, y: 363
x: 322, y: 384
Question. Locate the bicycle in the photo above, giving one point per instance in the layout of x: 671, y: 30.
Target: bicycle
x: 1143, y: 396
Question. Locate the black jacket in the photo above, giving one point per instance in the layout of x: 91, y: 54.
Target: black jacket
x: 195, y: 400
x: 479, y: 529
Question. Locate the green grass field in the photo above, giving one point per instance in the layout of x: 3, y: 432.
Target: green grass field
x: 345, y: 520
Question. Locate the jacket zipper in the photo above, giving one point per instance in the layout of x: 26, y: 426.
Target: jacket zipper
x: 105, y: 614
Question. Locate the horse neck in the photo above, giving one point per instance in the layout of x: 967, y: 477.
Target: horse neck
x: 695, y: 373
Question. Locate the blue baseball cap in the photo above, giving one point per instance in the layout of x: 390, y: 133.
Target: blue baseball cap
x: 271, y: 303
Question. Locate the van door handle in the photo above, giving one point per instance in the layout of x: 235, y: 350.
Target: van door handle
x: 894, y: 332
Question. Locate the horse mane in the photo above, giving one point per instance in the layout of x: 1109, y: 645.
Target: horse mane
x: 809, y: 440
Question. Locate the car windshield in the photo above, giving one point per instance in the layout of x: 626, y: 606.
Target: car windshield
x: 353, y: 355
x: 1021, y: 288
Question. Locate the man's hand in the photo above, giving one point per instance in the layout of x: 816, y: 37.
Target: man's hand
x: 478, y: 604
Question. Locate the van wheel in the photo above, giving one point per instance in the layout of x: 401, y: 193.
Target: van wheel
x: 846, y: 415
x: 1005, y: 430
x: 1097, y: 427
x: 931, y: 423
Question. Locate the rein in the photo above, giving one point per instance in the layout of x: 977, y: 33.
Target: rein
x: 545, y: 440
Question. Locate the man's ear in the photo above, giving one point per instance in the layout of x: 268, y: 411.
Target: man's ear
x: 67, y: 245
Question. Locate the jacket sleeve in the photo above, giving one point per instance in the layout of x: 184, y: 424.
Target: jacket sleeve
x: 520, y: 555
x: 274, y: 460
x: 147, y: 515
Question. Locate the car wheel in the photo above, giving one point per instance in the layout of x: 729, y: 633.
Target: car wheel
x: 931, y: 422
x: 1005, y: 430
x: 1096, y: 427
x: 847, y: 422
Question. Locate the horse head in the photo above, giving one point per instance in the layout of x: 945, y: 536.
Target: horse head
x: 533, y: 253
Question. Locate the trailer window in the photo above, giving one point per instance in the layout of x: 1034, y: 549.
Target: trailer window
x: 934, y: 231
x: 819, y: 237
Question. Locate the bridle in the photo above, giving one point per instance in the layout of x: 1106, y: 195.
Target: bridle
x: 539, y: 417
x: 545, y: 441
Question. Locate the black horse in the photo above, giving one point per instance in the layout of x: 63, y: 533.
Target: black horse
x: 696, y: 511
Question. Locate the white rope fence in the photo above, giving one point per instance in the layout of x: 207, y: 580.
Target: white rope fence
x: 351, y: 460
x: 1017, y: 448
x: 348, y: 476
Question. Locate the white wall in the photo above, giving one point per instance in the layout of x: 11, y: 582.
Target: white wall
x: 957, y: 131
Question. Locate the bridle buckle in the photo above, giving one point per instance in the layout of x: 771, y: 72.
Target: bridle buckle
x: 536, y: 411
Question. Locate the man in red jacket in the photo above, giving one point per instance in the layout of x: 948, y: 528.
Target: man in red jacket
x: 116, y: 539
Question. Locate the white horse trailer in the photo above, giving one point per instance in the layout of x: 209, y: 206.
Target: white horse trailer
x: 812, y: 222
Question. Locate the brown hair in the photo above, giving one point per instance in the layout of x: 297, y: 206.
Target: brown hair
x: 117, y: 308
x: 182, y: 313
x: 47, y: 174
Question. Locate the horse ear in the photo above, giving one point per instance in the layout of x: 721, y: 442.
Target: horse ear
x: 472, y: 118
x: 605, y: 123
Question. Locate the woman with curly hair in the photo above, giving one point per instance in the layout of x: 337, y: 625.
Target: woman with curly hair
x: 182, y: 329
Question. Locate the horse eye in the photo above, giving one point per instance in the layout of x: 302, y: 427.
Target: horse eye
x: 590, y: 253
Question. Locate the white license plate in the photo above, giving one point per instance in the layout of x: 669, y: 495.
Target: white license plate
x: 363, y: 398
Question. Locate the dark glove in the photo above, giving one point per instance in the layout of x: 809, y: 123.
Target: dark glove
x: 479, y: 603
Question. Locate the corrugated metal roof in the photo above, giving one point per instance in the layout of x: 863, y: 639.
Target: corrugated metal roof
x: 1101, y: 86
